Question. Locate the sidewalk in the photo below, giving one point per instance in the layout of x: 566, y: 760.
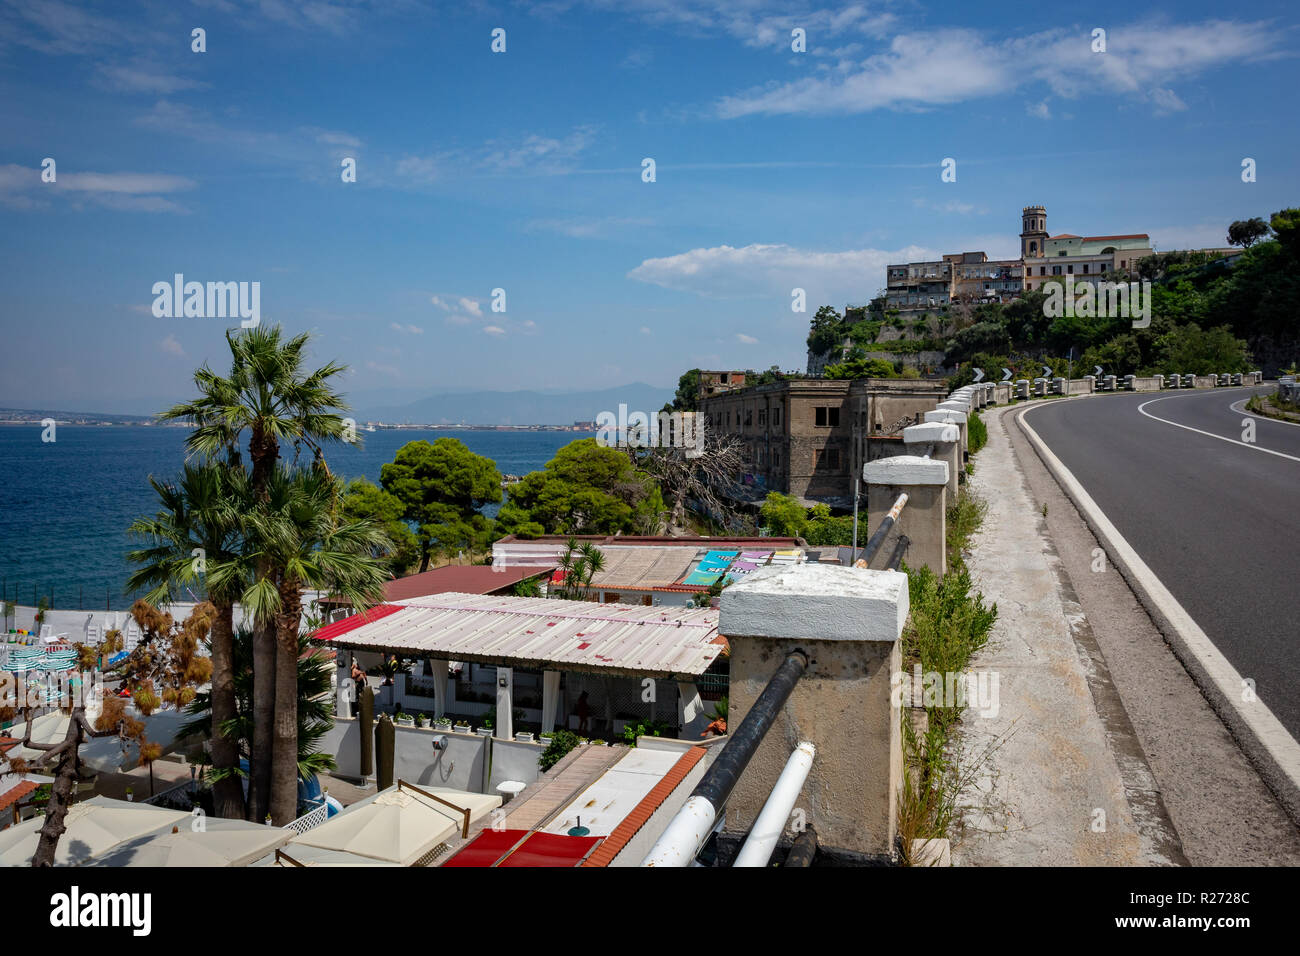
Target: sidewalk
x: 1054, y: 781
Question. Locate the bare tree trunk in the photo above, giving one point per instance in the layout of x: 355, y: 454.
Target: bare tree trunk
x: 284, y: 772
x: 65, y: 778
x: 264, y: 661
x: 228, y: 793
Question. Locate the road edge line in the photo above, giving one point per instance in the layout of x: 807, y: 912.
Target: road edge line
x: 1268, y: 745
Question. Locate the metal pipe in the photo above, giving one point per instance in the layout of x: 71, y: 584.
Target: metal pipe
x: 804, y: 849
x: 878, y: 538
x: 769, y: 826
x: 900, y: 548
x: 687, y: 831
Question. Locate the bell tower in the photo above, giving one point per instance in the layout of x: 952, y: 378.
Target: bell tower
x: 1033, y: 231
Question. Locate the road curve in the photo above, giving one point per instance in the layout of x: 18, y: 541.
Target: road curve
x: 1215, y: 517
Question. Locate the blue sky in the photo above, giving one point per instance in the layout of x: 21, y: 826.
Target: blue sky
x: 522, y: 171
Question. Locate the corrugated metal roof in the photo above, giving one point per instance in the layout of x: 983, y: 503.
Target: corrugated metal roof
x: 536, y: 632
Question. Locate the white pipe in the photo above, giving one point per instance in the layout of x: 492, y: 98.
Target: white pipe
x: 684, y: 835
x: 772, y: 818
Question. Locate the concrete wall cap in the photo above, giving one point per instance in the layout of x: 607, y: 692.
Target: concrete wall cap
x: 822, y: 602
x: 931, y: 432
x: 905, y: 470
x: 945, y: 415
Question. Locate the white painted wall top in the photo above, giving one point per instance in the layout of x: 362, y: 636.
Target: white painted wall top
x: 816, y: 601
x: 931, y: 432
x: 945, y: 415
x: 905, y: 470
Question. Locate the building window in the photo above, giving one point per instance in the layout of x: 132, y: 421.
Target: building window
x: 1056, y: 270
x: 749, y: 417
x: 833, y: 459
x: 827, y: 416
x: 1070, y: 269
x: 1042, y: 270
x: 776, y: 415
x: 1085, y: 268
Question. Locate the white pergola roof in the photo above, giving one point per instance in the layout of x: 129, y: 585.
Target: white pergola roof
x: 540, y: 633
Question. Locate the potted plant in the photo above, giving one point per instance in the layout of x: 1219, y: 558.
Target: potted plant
x: 405, y: 720
x: 524, y: 737
x: 485, y: 726
x: 545, y: 737
x: 442, y: 725
x: 419, y: 719
x: 462, y: 727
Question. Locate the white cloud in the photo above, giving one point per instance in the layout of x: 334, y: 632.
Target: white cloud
x: 1039, y: 110
x: 939, y: 67
x: 772, y: 271
x: 494, y: 330
x: 411, y: 329
x: 144, y: 78
x: 171, y: 346
x: 22, y: 187
x: 471, y: 306
x: 746, y: 339
x: 645, y: 330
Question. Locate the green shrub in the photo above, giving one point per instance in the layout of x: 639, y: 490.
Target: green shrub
x: 977, y: 433
x: 561, y: 743
x: 653, y: 728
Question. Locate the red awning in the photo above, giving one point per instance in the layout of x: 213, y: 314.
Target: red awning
x: 330, y: 631
x: 523, y: 848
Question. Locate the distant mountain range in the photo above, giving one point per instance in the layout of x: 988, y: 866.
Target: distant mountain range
x: 518, y: 408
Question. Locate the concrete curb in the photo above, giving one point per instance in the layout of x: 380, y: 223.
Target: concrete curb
x: 1269, y: 747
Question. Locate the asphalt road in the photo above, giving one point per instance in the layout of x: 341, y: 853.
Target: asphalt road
x: 1218, y: 521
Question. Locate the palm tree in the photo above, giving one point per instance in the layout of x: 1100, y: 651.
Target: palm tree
x: 269, y: 395
x: 580, y: 564
x: 303, y: 533
x: 195, y: 540
x: 315, y: 706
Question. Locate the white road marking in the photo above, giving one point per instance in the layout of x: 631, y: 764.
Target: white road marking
x: 1243, y: 444
x: 1280, y: 749
x: 1238, y: 407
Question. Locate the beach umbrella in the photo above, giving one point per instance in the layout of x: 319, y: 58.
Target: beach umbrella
x: 219, y: 843
x: 93, y: 827
x: 398, y: 824
x: 303, y: 855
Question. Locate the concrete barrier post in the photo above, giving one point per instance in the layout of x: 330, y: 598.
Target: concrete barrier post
x: 938, y: 440
x: 951, y: 417
x: 1160, y: 382
x: 925, y: 481
x: 1059, y: 386
x: 1130, y: 383
x: 1174, y: 381
x: 1092, y: 382
x: 847, y: 621
x: 1108, y: 383
x: 1040, y: 387
x: 1022, y: 388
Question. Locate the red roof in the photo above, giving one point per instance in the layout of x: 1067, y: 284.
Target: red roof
x: 523, y: 848
x: 330, y: 631
x: 16, y: 793
x: 1132, y: 235
x: 459, y: 579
